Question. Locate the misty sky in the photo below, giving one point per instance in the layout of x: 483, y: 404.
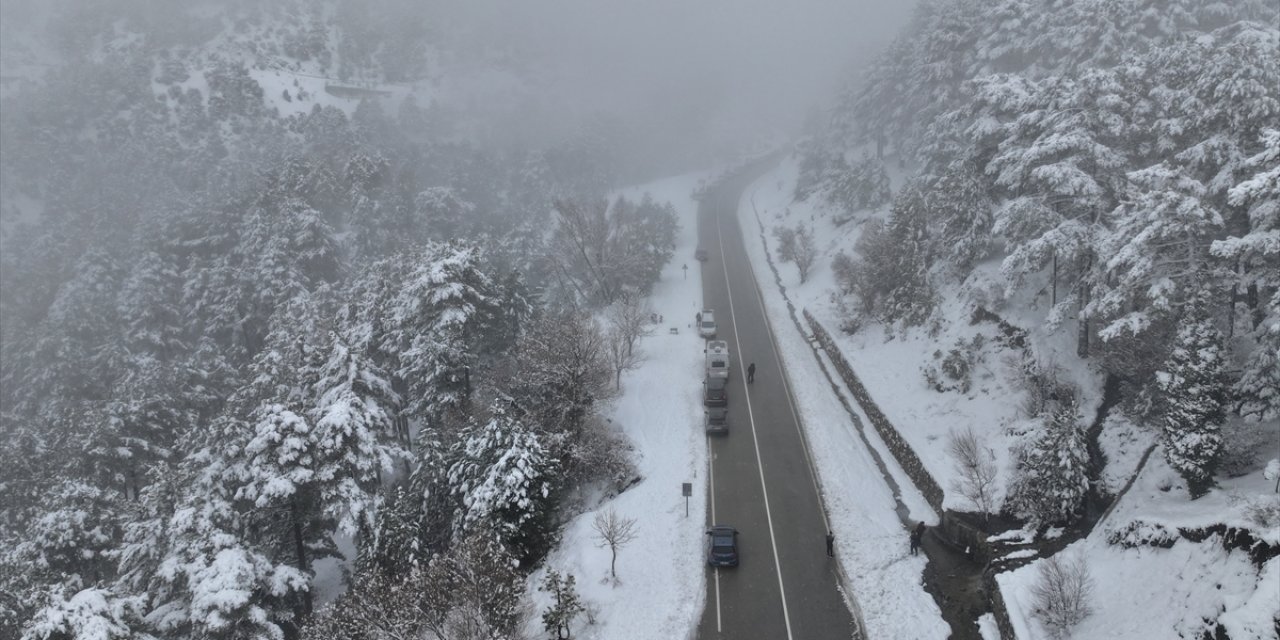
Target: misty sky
x: 763, y: 62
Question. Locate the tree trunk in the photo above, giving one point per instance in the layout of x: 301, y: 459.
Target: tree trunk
x: 1053, y: 296
x: 300, y: 549
x: 613, y: 563
x: 1082, y: 338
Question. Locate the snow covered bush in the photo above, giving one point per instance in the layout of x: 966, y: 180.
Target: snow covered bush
x: 1243, y: 444
x: 1263, y: 511
x: 1042, y: 385
x: 954, y: 371
x: 1051, y: 477
x: 1062, y: 593
x: 1139, y: 533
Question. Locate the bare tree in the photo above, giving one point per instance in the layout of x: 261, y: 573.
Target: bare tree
x: 614, y: 531
x: 629, y: 316
x: 620, y: 354
x: 1062, y: 592
x: 976, y: 464
x: 580, y: 245
x: 804, y: 252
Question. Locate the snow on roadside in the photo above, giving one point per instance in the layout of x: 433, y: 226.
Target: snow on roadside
x: 661, y: 584
x: 871, y: 540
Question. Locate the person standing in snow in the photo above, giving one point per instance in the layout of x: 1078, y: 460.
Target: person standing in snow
x: 751, y: 372
x: 831, y: 541
x: 917, y: 535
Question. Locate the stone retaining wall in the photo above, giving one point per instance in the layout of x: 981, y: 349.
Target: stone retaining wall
x: 898, y: 446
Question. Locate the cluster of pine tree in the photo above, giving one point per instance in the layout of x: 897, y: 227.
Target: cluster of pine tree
x: 230, y: 339
x: 1122, y: 158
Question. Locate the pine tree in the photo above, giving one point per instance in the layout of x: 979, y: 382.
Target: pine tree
x: 1194, y: 391
x: 558, y: 618
x: 1158, y: 251
x: 213, y: 581
x: 502, y: 476
x: 1052, y: 478
x: 433, y: 327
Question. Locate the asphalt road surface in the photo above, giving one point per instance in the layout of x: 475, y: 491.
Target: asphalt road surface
x: 762, y: 482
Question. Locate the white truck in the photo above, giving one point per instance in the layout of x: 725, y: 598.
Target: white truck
x: 717, y: 352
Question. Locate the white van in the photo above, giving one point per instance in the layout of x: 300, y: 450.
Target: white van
x: 707, y: 325
x: 717, y: 359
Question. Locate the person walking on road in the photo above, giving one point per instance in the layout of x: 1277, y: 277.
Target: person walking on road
x: 751, y: 372
x: 831, y: 541
x: 917, y: 535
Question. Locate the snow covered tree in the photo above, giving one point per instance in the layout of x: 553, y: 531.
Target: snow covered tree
x: 1051, y: 477
x: 433, y: 328
x: 961, y: 209
x: 213, y: 582
x: 1256, y: 254
x: 442, y: 212
x: 1061, y: 162
x: 559, y: 615
x: 1158, y: 251
x: 74, y: 538
x: 1194, y: 391
x: 94, y: 613
x: 891, y: 274
x: 502, y: 476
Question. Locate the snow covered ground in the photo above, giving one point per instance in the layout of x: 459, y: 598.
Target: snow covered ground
x: 1167, y: 593
x: 661, y: 584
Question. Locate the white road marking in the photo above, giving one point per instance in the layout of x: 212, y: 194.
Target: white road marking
x: 777, y: 564
x: 711, y: 474
x: 786, y: 383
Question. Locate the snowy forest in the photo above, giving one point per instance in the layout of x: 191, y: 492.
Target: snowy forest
x: 270, y: 299
x: 1122, y: 162
x: 232, y: 338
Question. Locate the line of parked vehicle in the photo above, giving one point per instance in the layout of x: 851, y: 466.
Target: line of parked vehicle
x: 722, y: 540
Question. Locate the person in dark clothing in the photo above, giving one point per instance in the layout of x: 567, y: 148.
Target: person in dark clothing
x: 831, y: 541
x: 917, y: 535
x: 751, y: 372
x: 698, y: 319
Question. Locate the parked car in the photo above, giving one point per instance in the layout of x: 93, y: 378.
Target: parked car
x: 715, y: 392
x: 707, y: 325
x: 717, y: 359
x: 717, y: 420
x: 700, y: 254
x: 722, y: 546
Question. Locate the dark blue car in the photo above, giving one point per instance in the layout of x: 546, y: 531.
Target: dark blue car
x: 722, y: 546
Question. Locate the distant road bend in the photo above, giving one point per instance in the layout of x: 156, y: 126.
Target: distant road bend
x: 761, y: 479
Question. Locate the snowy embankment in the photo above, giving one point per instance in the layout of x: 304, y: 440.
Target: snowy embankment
x: 1140, y: 592
x: 871, y: 539
x: 892, y: 363
x: 661, y: 579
